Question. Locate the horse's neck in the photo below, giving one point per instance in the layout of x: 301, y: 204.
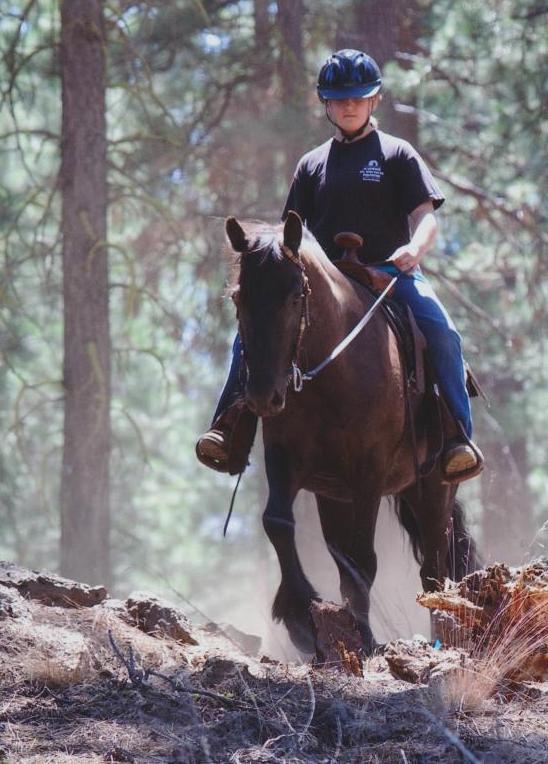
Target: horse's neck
x: 336, y: 306
x: 331, y: 291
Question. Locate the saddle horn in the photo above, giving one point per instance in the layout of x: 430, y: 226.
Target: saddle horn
x: 351, y: 243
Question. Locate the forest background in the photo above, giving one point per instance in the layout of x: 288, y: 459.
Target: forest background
x: 175, y: 115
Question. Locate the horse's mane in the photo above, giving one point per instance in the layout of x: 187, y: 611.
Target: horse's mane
x: 265, y: 245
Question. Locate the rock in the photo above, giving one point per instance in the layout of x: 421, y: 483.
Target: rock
x: 338, y: 640
x: 248, y: 643
x: 270, y: 661
x: 119, y: 754
x: 12, y: 605
x: 417, y: 661
x: 156, y: 616
x: 218, y: 670
x: 50, y: 589
x: 119, y: 609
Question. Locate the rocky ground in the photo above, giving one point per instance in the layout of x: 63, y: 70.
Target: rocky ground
x: 84, y: 678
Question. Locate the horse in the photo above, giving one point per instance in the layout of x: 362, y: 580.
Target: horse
x: 344, y: 435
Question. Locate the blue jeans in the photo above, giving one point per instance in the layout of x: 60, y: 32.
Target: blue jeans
x: 232, y: 388
x: 444, y: 342
x: 444, y: 346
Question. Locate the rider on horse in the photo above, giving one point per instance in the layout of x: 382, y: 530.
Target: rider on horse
x: 376, y: 185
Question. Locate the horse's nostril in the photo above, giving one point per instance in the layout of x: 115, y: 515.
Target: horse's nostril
x: 277, y: 399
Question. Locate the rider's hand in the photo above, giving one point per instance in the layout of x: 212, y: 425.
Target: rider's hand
x: 405, y: 258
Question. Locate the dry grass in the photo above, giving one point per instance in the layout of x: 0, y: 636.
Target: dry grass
x: 54, y: 674
x: 510, y: 649
x: 65, y: 697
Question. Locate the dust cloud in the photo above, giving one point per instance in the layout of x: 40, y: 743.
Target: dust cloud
x: 394, y: 612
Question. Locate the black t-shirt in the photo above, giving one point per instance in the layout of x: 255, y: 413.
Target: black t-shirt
x: 368, y: 187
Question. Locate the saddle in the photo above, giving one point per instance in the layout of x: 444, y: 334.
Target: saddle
x: 421, y: 383
x: 410, y: 338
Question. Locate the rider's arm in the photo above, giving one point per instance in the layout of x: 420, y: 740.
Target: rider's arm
x: 423, y: 226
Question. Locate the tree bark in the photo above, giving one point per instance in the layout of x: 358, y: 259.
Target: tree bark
x: 292, y: 78
x: 383, y: 33
x: 85, y: 514
x: 262, y: 103
x: 262, y: 28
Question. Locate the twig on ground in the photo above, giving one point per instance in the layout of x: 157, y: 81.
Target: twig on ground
x: 456, y: 741
x: 139, y: 677
x: 311, y: 712
x: 338, y: 746
x: 136, y: 676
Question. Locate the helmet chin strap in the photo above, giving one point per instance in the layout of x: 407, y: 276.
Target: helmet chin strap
x: 346, y: 136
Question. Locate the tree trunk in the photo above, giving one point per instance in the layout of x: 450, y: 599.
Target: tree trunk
x: 292, y: 78
x: 261, y: 23
x: 385, y: 33
x: 262, y: 103
x: 85, y: 514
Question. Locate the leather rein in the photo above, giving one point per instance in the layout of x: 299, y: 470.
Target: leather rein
x: 298, y: 377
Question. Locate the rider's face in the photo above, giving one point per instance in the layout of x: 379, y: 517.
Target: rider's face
x: 351, y: 113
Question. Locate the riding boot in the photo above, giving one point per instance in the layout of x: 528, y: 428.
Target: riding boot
x: 461, y: 458
x: 226, y: 445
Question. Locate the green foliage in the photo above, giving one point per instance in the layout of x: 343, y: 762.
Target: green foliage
x: 198, y: 129
x: 480, y: 93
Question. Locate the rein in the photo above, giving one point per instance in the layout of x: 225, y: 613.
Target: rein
x: 305, y: 316
x: 299, y: 377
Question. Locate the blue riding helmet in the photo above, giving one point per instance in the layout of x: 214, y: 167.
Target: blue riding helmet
x: 349, y: 74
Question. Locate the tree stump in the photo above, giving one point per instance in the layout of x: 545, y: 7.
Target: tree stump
x: 338, y: 640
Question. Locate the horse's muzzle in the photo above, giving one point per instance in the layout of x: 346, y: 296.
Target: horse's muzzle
x: 265, y: 403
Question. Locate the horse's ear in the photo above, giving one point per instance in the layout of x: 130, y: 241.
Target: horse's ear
x: 236, y: 234
x: 293, y: 231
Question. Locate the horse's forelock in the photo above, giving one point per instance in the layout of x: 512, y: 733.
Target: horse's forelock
x: 265, y: 245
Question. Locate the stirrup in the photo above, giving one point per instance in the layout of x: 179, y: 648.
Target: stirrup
x: 225, y: 447
x: 462, y: 460
x: 212, y: 450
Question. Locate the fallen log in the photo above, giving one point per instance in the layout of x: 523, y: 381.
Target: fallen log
x: 501, y: 615
x: 50, y: 589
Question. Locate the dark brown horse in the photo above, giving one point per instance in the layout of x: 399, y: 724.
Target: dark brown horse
x: 345, y: 436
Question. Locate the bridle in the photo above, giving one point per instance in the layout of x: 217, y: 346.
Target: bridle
x: 294, y: 372
x: 295, y: 375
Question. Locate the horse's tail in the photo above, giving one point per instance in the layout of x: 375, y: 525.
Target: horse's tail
x: 462, y: 557
x: 406, y: 517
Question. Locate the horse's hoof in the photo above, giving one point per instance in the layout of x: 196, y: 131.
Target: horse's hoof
x: 302, y: 638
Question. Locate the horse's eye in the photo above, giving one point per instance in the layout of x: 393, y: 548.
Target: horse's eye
x: 235, y: 296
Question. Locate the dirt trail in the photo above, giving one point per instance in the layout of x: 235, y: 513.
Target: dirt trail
x: 87, y: 684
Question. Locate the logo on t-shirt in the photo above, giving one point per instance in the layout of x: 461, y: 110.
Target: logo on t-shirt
x: 372, y: 171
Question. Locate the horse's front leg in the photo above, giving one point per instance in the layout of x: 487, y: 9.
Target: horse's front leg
x: 349, y: 532
x: 295, y: 593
